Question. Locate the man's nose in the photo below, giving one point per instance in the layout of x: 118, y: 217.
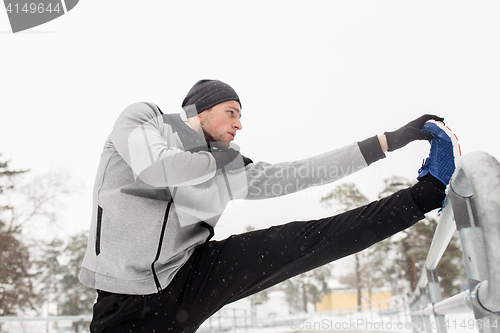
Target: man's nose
x: 237, y: 125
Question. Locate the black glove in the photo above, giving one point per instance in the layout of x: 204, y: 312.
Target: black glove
x: 410, y: 132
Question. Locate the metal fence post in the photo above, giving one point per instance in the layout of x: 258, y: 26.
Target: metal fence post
x: 473, y: 250
x: 416, y: 320
x: 220, y: 324
x: 424, y: 300
x: 405, y: 308
x: 435, y: 296
x: 234, y: 319
x: 479, y: 176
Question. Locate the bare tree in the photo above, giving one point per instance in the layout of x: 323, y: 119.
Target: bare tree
x: 307, y: 288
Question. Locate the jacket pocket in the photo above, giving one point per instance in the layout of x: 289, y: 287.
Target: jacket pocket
x: 98, y: 231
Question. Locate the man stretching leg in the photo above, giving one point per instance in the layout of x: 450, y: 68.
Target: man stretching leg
x: 163, y: 182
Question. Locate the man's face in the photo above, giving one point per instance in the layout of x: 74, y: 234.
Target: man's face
x: 221, y: 122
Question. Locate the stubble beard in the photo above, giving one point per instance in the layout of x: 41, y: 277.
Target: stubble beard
x: 210, y: 139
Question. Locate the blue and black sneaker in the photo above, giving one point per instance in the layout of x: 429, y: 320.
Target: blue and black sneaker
x: 444, y: 154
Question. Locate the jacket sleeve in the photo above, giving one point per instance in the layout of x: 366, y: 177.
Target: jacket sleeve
x: 272, y: 180
x: 139, y: 136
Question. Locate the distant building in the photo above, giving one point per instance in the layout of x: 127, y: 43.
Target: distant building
x: 348, y: 298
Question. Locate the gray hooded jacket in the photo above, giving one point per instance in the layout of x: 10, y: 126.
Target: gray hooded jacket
x: 160, y: 190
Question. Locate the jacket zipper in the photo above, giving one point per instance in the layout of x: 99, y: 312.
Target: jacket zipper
x: 158, y: 252
x: 98, y: 231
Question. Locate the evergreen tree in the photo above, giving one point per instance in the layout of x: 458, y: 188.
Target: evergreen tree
x: 74, y: 298
x: 294, y: 294
x: 49, y: 270
x: 16, y: 288
x: 413, y: 248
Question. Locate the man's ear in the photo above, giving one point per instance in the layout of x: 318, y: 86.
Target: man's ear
x: 204, y: 113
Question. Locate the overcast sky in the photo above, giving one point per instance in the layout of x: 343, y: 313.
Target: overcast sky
x: 312, y: 76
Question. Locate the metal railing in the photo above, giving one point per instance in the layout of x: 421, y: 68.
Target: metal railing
x: 228, y: 319
x: 391, y: 314
x: 66, y: 324
x: 472, y: 207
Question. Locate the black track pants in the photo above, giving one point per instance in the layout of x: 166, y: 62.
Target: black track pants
x: 221, y: 272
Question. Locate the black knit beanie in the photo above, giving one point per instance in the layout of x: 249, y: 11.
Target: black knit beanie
x: 207, y: 93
